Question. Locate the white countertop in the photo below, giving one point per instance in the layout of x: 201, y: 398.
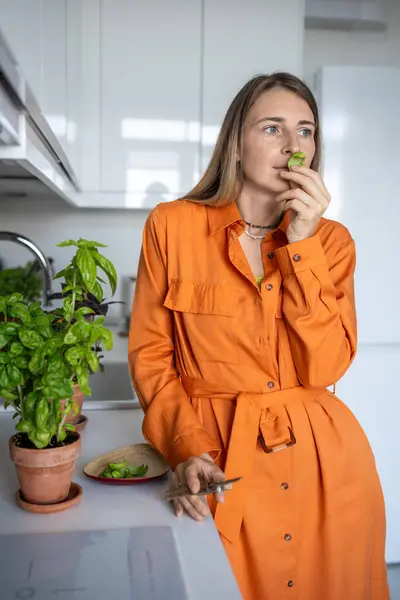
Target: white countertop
x: 205, y: 566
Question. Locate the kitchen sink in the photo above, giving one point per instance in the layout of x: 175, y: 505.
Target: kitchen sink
x: 114, y: 384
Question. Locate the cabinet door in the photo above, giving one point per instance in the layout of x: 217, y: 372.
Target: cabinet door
x: 150, y: 98
x: 21, y: 25
x: 243, y: 39
x: 54, y: 71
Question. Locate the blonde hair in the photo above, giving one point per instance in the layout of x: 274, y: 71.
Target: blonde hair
x: 222, y: 181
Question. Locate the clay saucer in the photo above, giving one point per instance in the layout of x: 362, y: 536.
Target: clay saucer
x: 73, y: 498
x: 81, y: 423
x: 138, y: 454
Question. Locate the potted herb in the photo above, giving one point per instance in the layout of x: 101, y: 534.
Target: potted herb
x: 43, y: 357
x: 83, y: 301
x: 34, y: 376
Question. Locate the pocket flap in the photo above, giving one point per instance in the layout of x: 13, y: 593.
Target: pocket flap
x: 201, y: 298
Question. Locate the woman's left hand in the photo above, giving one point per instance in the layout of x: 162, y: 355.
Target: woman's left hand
x: 307, y: 201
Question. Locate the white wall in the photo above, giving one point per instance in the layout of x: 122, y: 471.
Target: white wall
x: 48, y: 222
x: 353, y: 48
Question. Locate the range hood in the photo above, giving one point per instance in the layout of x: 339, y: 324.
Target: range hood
x: 32, y: 162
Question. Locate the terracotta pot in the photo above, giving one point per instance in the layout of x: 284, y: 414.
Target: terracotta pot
x: 45, y: 475
x: 78, y: 397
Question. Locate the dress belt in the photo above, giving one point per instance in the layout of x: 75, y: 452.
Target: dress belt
x: 259, y: 417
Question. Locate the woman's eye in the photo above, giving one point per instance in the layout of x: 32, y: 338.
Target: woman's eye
x: 306, y: 132
x: 271, y: 129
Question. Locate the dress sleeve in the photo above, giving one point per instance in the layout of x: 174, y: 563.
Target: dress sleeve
x: 319, y: 306
x: 170, y: 424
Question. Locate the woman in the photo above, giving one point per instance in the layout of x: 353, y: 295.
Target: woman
x: 243, y: 315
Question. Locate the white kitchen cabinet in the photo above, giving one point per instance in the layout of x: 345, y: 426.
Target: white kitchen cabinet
x: 243, y: 39
x: 150, y: 94
x: 53, y: 101
x: 21, y: 25
x: 35, y: 30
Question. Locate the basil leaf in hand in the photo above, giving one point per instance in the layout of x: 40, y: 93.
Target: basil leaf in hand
x: 296, y: 160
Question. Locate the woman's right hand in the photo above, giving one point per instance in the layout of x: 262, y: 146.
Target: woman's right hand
x: 192, y: 473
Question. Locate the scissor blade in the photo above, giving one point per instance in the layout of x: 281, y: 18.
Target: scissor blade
x: 204, y: 490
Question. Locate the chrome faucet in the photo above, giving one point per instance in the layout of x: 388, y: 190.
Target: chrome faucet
x: 44, y: 262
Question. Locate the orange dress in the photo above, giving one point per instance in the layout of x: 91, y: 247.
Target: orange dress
x: 221, y: 365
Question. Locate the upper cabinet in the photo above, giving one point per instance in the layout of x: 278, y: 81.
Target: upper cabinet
x: 21, y: 25
x: 136, y: 90
x: 150, y: 95
x: 36, y: 33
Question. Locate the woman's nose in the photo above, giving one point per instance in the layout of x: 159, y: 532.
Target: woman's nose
x: 291, y: 145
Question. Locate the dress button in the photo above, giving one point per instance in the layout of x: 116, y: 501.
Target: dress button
x: 290, y: 583
x: 271, y: 254
x: 287, y: 537
x: 269, y: 287
x: 270, y: 384
x: 297, y: 257
x: 285, y: 486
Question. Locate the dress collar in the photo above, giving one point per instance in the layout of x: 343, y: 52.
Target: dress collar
x: 221, y: 217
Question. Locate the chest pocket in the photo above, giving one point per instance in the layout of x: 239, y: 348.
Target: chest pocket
x: 205, y: 319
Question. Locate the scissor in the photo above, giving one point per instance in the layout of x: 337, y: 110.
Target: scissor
x: 206, y: 488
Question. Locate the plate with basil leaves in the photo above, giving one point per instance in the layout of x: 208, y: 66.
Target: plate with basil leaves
x: 128, y: 465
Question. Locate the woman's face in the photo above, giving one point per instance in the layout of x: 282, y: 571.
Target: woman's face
x: 278, y: 124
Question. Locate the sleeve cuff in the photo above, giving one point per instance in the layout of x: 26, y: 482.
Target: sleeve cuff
x: 300, y: 256
x: 191, y: 444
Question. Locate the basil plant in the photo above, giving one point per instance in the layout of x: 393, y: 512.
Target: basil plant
x: 43, y: 354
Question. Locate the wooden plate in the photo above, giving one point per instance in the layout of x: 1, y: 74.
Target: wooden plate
x: 136, y: 455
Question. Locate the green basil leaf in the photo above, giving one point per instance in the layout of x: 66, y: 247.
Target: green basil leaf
x: 4, y: 381
x: 89, y: 243
x: 68, y: 308
x: 20, y: 311
x: 8, y: 395
x: 67, y: 243
x: 11, y: 328
x: 74, y: 355
x: 60, y: 274
x: 108, y: 268
x: 56, y: 365
x: 92, y: 360
x: 4, y: 358
x: 97, y: 291
x: 42, y: 324
x: 83, y: 382
x: 62, y: 434
x: 99, y: 320
x: 84, y: 310
x: 3, y: 306
x: 80, y: 331
x: 41, y: 439
x: 16, y: 349
x: 87, y: 267
x: 31, y: 339
x: 14, y: 298
x: 3, y: 340
x: 25, y: 426
x: 296, y: 159
x: 42, y: 414
x: 14, y: 375
x: 70, y: 338
x: 36, y: 364
x: 35, y: 308
x: 22, y: 362
x: 107, y: 337
x: 30, y: 405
